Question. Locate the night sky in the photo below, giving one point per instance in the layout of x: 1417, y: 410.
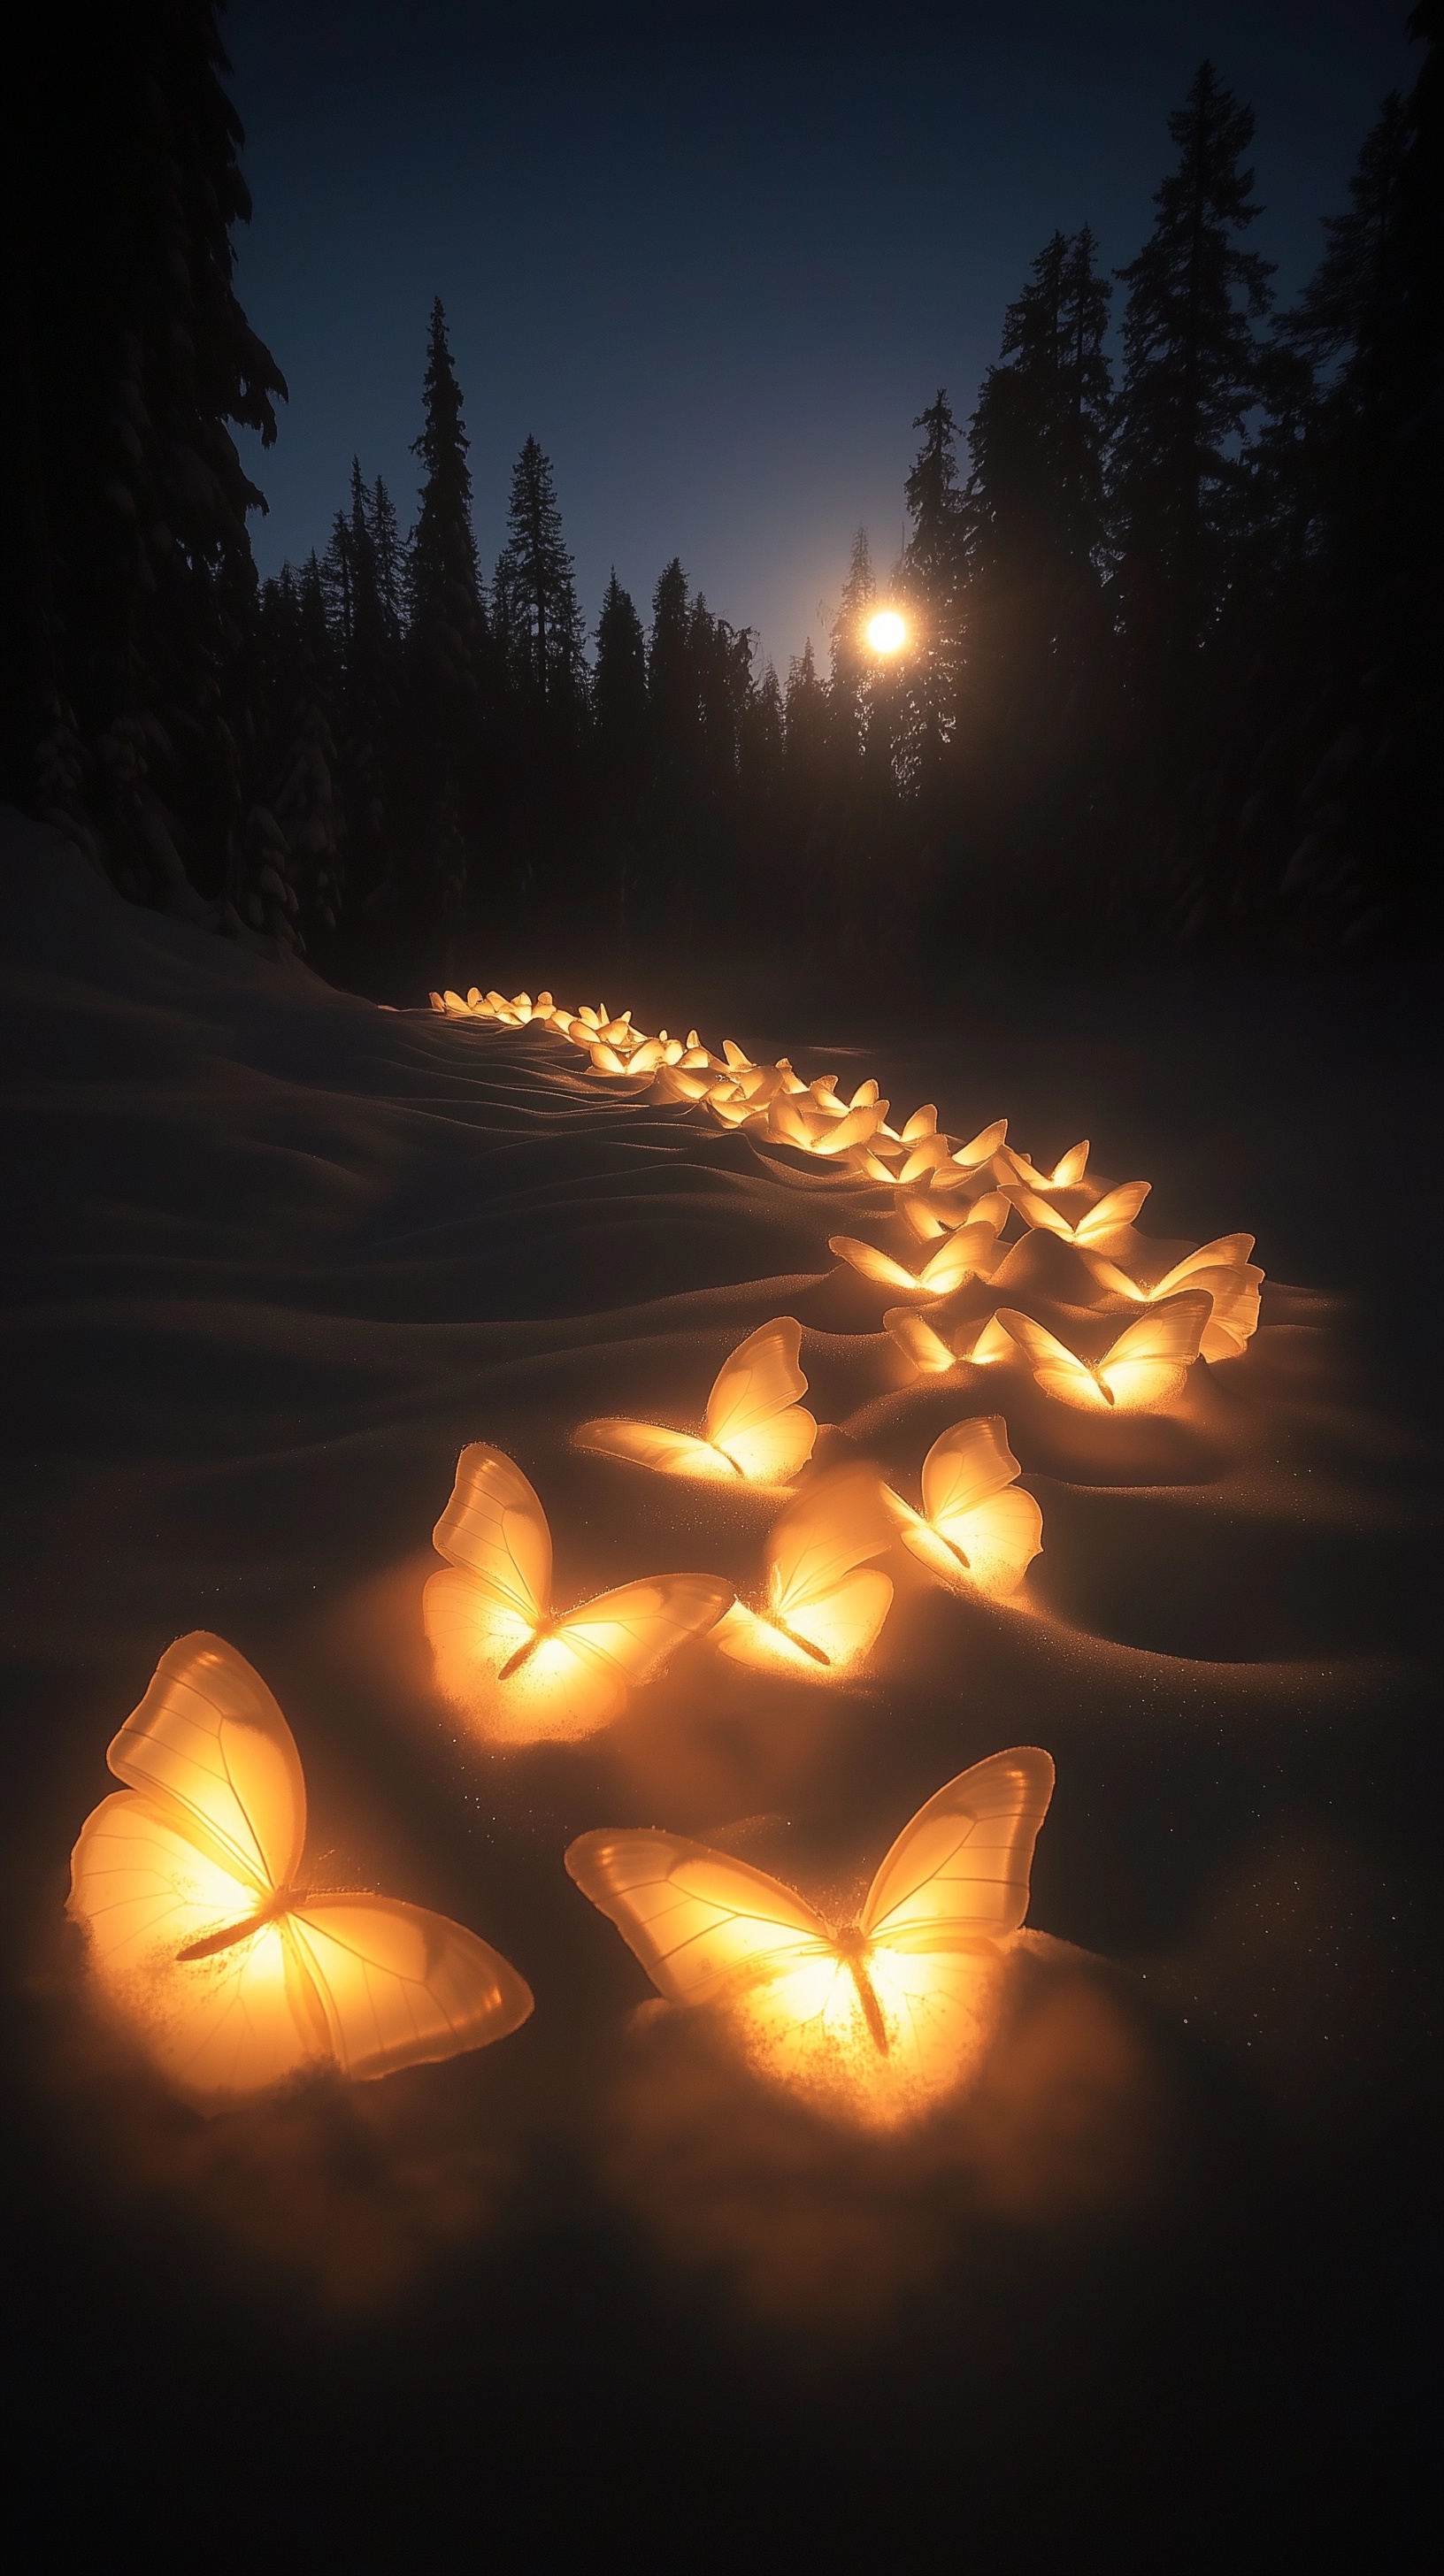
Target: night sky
x: 718, y: 274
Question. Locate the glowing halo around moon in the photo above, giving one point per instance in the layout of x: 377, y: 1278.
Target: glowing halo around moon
x: 886, y: 632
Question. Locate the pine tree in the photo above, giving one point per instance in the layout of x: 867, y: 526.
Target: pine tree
x: 392, y: 567
x: 1348, y: 704
x: 447, y: 647
x: 371, y: 687
x: 932, y: 572
x: 130, y: 589
x: 287, y: 868
x: 534, y: 575
x: 447, y: 617
x: 620, y: 749
x: 619, y: 685
x: 1191, y: 379
x: 1036, y: 624
x: 853, y: 663
x: 672, y: 680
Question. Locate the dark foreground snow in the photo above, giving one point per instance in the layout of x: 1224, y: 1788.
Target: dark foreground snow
x: 275, y: 1255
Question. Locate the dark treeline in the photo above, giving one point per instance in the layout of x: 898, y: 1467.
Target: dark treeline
x: 1172, y: 662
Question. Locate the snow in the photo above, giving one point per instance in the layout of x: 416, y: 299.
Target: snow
x: 276, y: 1255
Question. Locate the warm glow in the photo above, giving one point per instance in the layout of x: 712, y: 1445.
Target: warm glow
x: 977, y: 1529
x: 232, y: 1972
x: 886, y: 632
x: 1223, y: 1268
x: 825, y: 1602
x: 973, y: 1252
x: 1108, y: 1215
x: 503, y: 1656
x: 874, y: 2019
x: 755, y: 1432
x: 1146, y: 1366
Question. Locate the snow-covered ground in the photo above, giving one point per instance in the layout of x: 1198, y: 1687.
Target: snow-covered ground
x: 277, y: 1255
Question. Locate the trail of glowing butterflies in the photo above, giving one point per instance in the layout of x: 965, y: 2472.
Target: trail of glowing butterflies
x: 235, y: 1972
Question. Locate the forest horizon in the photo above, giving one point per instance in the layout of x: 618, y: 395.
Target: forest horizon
x: 1165, y: 677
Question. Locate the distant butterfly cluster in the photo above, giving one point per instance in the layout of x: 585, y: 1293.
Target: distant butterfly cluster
x: 953, y: 1201
x: 236, y: 1971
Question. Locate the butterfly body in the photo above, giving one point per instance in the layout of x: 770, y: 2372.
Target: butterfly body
x: 853, y: 1948
x: 287, y: 1900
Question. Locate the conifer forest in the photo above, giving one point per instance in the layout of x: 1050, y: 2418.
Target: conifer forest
x: 1171, y: 587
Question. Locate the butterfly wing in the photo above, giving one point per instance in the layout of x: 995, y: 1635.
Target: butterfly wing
x: 1058, y: 1370
x: 987, y: 1141
x: 1234, y: 1320
x: 1039, y: 1212
x: 495, y: 1527
x: 631, y: 1632
x: 959, y: 1872
x: 143, y: 1891
x: 578, y: 1676
x: 1114, y: 1210
x: 1069, y: 1169
x: 979, y: 1529
x: 772, y: 1452
x: 916, y: 1339
x: 819, y: 1584
x: 1150, y: 1360
x: 704, y: 1926
x: 672, y: 1453
x: 966, y: 1465
x: 400, y: 1986
x: 837, y: 1525
x: 752, y: 1411
x: 1226, y: 1252
x: 877, y: 1266
x: 209, y: 1747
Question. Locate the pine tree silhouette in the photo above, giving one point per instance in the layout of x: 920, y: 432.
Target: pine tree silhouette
x: 932, y: 579
x: 130, y: 589
x: 1037, y: 627
x: 1191, y: 378
x: 447, y: 647
x: 544, y: 623
x: 620, y: 754
x: 853, y: 662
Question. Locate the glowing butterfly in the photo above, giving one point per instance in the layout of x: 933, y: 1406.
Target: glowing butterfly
x: 1146, y: 1366
x: 1223, y: 1268
x: 236, y: 1974
x: 976, y: 1527
x: 1106, y: 1216
x: 499, y: 1646
x: 972, y: 1252
x: 981, y: 1344
x: 966, y: 1159
x: 816, y: 1131
x: 1067, y: 1172
x: 931, y: 1212
x: 824, y: 1603
x: 755, y: 1432
x: 881, y: 2013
